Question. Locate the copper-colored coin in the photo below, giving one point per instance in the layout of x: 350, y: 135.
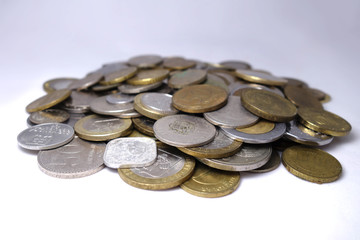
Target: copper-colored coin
x: 178, y: 63
x: 199, y: 98
x: 260, y: 77
x: 260, y: 127
x: 186, y: 78
x: 49, y: 100
x: 146, y: 77
x: 119, y: 76
x: 302, y: 97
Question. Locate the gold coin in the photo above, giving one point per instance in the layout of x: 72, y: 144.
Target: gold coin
x: 260, y: 77
x: 260, y: 127
x: 49, y: 100
x: 199, y: 98
x: 295, y: 82
x: 170, y: 169
x: 272, y: 164
x: 146, y: 77
x: 136, y: 133
x: 119, y: 76
x: 178, y: 63
x: 302, y: 97
x: 268, y: 105
x: 144, y: 125
x: 150, y: 113
x: 210, y: 182
x: 311, y: 164
x: 324, y: 122
x: 102, y: 128
x: 186, y: 78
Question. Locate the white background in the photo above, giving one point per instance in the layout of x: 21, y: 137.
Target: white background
x: 316, y: 41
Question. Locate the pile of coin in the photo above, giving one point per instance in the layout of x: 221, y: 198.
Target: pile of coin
x: 169, y: 122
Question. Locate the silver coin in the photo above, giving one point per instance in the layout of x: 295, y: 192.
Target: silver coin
x: 184, y: 130
x: 237, y: 86
x: 86, y: 82
x: 145, y: 61
x: 59, y: 83
x: 101, y: 106
x: 74, y: 117
x: 79, y: 102
x: 232, y: 115
x: 49, y: 116
x: 130, y: 114
x: 76, y: 159
x: 236, y: 64
x: 134, y: 89
x: 187, y: 77
x: 29, y: 123
x: 110, y: 68
x: 120, y: 98
x: 159, y: 102
x: 247, y: 158
x: 275, y: 134
x: 103, y: 88
x: 229, y: 79
x: 295, y: 134
x: 130, y: 152
x: 200, y: 64
x: 45, y: 136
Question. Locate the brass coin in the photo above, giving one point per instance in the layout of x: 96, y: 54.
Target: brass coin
x: 272, y: 164
x: 302, y: 97
x: 58, y: 83
x: 317, y: 93
x: 217, y: 66
x: 145, y: 61
x: 136, y: 133
x: 49, y: 116
x: 295, y: 82
x: 150, y: 113
x: 49, y: 100
x: 260, y: 127
x: 260, y: 77
x: 119, y: 76
x: 186, y: 78
x: 210, y: 182
x: 311, y: 164
x: 268, y: 105
x: 199, y: 98
x: 178, y: 63
x: 102, y: 128
x: 144, y: 125
x: 236, y: 64
x: 145, y: 77
x: 324, y: 122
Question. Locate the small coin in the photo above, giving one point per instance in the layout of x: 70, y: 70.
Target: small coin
x: 145, y: 61
x: 58, y: 84
x: 170, y: 169
x: 186, y: 78
x: 260, y: 77
x: 79, y: 102
x: 184, y: 130
x: 145, y: 77
x: 135, y: 152
x: 236, y: 64
x: 134, y: 89
x: 101, y: 106
x: 268, y: 105
x: 311, y: 164
x: 49, y: 116
x: 119, y: 76
x: 76, y: 159
x: 161, y: 103
x: 272, y: 164
x: 302, y: 97
x: 117, y: 98
x: 199, y: 98
x: 86, y: 82
x: 209, y: 182
x: 178, y: 63
x: 49, y: 100
x: 45, y: 136
x: 260, y: 127
x: 109, y: 68
x: 144, y: 125
x: 102, y: 128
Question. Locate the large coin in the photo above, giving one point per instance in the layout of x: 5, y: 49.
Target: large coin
x: 161, y: 103
x: 117, y: 98
x: 49, y: 100
x: 49, y: 116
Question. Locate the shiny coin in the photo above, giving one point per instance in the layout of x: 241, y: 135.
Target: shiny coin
x: 146, y: 77
x: 45, y: 136
x: 324, y: 122
x: 79, y: 102
x: 49, y: 100
x: 118, y: 98
x: 130, y: 152
x: 101, y: 106
x: 86, y: 82
x: 186, y: 78
x: 272, y: 164
x: 217, y: 66
x: 311, y: 164
x: 102, y: 128
x: 178, y: 63
x: 247, y: 158
x: 268, y: 105
x: 232, y: 115
x: 145, y: 61
x: 221, y: 146
x: 144, y: 125
x: 49, y: 116
x: 260, y: 77
x: 119, y: 76
x: 209, y: 182
x: 184, y: 130
x: 236, y: 65
x: 161, y: 103
x: 132, y: 89
x: 302, y: 97
x: 76, y: 159
x: 199, y: 98
x: 29, y: 123
x: 260, y: 127
x: 58, y: 84
x: 170, y: 169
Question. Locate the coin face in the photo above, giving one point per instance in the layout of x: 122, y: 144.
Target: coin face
x: 236, y: 64
x: 49, y: 116
x: 58, y: 84
x: 45, y: 136
x: 158, y: 102
x: 119, y: 76
x: 260, y: 77
x: 79, y: 102
x: 101, y: 106
x: 133, y: 89
x: 145, y: 61
x: 186, y: 78
x: 49, y: 100
x: 216, y: 80
x: 302, y: 97
x: 260, y: 127
x: 86, y: 82
x: 117, y: 98
x: 76, y: 159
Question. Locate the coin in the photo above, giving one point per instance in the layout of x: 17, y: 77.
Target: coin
x: 135, y: 152
x: 131, y: 114
x: 78, y: 102
x: 199, y: 98
x: 161, y: 103
x: 311, y: 164
x: 144, y: 125
x: 302, y: 97
x: 186, y: 78
x: 238, y: 87
x: 184, y: 130
x: 76, y: 159
x: 217, y: 81
x: 227, y: 76
x: 295, y: 82
x: 261, y: 127
x: 102, y: 128
x: 119, y: 76
x: 145, y: 77
x: 132, y: 89
x: 145, y: 61
x: 260, y: 77
x: 150, y: 112
x: 178, y: 63
x: 324, y: 122
x: 209, y: 182
x: 101, y: 106
x: 74, y: 117
x: 49, y: 100
x: 45, y: 136
x: 268, y: 105
x: 49, y: 116
x: 58, y: 84
x: 117, y: 98
x: 87, y: 81
x: 236, y: 64
x: 272, y: 164
x: 170, y: 169
x: 103, y: 88
x: 136, y: 133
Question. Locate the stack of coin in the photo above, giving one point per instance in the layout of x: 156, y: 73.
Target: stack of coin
x: 166, y: 122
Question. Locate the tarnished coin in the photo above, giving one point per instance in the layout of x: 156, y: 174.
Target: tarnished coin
x: 45, y: 136
x: 119, y: 76
x: 58, y: 84
x: 145, y: 61
x: 101, y: 106
x: 247, y: 158
x: 130, y: 152
x: 232, y: 115
x: 311, y: 164
x: 144, y: 125
x: 227, y: 76
x: 49, y: 100
x: 260, y: 77
x: 186, y: 78
x: 79, y: 102
x: 86, y: 82
x: 134, y: 89
x: 295, y: 82
x: 324, y: 122
x: 272, y: 164
x: 215, y: 80
x: 209, y: 182
x: 103, y: 88
x: 117, y: 98
x: 237, y: 87
x: 302, y: 97
x: 109, y: 68
x: 178, y: 63
x: 170, y: 169
x: 199, y: 98
x: 261, y: 127
x: 49, y: 116
x: 102, y: 128
x: 161, y: 103
x: 76, y: 159
x: 184, y: 130
x: 136, y: 133
x: 268, y: 105
x: 145, y: 77
x: 236, y: 64
x: 74, y: 117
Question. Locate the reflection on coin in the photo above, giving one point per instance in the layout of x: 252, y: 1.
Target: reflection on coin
x: 186, y: 78
x: 272, y: 164
x: 144, y: 125
x: 58, y: 84
x: 160, y: 103
x: 101, y: 106
x: 132, y: 89
x: 145, y: 61
x: 117, y: 98
x: 209, y: 182
x: 45, y: 136
x: 170, y: 169
x: 302, y: 97
x: 260, y: 77
x: 146, y: 77
x: 49, y: 116
x: 76, y: 159
x: 178, y: 63
x: 236, y: 64
x: 49, y: 100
